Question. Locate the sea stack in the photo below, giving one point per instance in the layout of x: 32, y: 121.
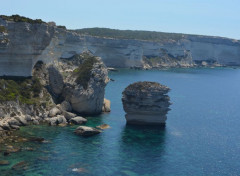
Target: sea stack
x: 146, y: 103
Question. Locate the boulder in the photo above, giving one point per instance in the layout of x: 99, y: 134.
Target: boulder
x: 86, y: 131
x: 54, y: 111
x: 35, y: 122
x: 5, y: 126
x: 15, y: 127
x: 68, y: 115
x: 22, y: 120
x: 146, y: 103
x: 28, y: 118
x: 78, y: 120
x: 66, y: 106
x: 106, y: 105
x: 13, y: 121
x: 57, y: 120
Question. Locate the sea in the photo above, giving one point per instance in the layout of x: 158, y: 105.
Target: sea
x: 201, y: 136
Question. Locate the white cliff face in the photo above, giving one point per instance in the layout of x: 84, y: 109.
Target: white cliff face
x: 24, y: 44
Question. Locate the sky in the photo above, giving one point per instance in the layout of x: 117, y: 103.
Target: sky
x: 205, y: 17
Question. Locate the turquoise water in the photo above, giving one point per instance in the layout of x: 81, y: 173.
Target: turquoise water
x: 201, y: 137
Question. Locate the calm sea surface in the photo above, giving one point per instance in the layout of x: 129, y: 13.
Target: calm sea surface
x: 201, y: 137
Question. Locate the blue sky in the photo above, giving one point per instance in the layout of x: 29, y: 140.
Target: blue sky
x: 207, y: 17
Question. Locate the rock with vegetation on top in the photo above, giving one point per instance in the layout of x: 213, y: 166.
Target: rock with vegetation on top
x: 86, y: 131
x: 85, y: 87
x: 146, y: 103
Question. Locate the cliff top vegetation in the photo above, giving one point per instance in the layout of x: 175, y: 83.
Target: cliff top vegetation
x: 18, y: 18
x: 130, y: 34
x: 3, y: 29
x: 25, y: 90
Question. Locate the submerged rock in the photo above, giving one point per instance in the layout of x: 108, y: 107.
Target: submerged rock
x: 36, y: 139
x: 21, y: 166
x: 103, y: 126
x: 146, y: 103
x: 4, y: 162
x: 86, y: 131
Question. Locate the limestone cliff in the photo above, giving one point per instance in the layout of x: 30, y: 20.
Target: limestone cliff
x: 54, y: 94
x: 84, y: 86
x: 22, y: 44
x: 146, y: 103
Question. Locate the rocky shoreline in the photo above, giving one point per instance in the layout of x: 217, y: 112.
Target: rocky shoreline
x: 66, y: 90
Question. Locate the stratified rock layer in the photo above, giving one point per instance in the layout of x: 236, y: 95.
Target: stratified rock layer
x: 146, y: 103
x: 22, y: 44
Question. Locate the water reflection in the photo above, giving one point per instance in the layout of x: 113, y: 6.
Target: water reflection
x: 141, y: 146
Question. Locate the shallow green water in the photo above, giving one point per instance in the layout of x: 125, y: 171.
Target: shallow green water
x: 201, y: 136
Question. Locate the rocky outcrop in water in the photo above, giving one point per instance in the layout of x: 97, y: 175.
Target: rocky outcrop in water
x: 86, y: 131
x: 146, y: 103
x: 85, y: 86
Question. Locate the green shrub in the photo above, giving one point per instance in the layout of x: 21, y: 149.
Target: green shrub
x: 18, y: 18
x: 83, y: 72
x: 3, y: 29
x: 26, y: 90
x: 62, y: 27
x: 129, y: 34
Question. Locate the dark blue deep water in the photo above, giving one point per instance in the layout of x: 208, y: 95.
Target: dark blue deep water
x: 201, y: 137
